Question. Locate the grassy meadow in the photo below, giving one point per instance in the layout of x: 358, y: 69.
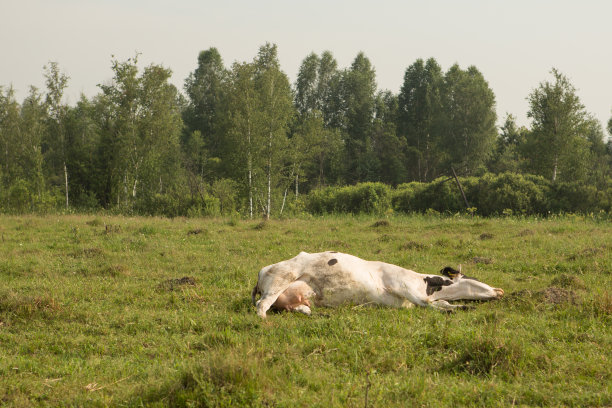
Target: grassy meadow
x: 115, y: 311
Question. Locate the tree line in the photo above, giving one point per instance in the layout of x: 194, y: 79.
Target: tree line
x: 244, y: 139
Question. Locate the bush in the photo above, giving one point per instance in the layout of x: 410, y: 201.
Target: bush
x: 578, y: 197
x: 490, y: 194
x: 404, y: 196
x: 20, y: 197
x: 368, y: 198
x: 494, y: 194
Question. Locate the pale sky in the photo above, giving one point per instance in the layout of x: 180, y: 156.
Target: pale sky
x: 513, y: 43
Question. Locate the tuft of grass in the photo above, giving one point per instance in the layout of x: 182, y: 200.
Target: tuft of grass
x: 15, y: 305
x: 602, y: 304
x: 96, y: 222
x: 112, y: 229
x: 567, y: 281
x: 486, y: 356
x: 147, y: 230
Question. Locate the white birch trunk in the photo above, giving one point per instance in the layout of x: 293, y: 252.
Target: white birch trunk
x: 284, y: 200
x: 269, y: 177
x: 66, y: 181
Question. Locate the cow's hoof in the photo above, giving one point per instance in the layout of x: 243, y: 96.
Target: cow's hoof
x: 303, y: 309
x: 500, y: 292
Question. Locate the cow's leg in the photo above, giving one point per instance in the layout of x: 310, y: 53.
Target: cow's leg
x: 295, y: 298
x: 406, y: 298
x: 444, y: 305
x: 266, y: 301
x: 272, y: 283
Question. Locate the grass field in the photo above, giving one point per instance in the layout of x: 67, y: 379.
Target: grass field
x: 94, y: 312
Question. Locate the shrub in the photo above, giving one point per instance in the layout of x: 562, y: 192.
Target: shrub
x: 368, y: 198
x: 579, y: 197
x: 494, y: 194
x: 404, y: 196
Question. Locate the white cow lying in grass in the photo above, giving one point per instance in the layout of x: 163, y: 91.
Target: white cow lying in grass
x: 332, y: 279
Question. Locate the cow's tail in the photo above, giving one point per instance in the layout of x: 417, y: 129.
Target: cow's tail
x: 254, y: 293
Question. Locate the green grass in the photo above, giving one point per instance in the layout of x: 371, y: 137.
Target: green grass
x: 93, y: 313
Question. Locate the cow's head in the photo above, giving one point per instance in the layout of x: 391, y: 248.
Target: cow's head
x: 466, y: 287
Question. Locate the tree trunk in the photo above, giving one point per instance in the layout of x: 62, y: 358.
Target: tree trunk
x: 555, y: 165
x: 250, y: 187
x: 269, y: 188
x: 269, y: 177
x: 66, y: 181
x: 284, y: 199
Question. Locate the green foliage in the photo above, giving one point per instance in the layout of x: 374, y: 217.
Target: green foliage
x: 492, y: 194
x: 20, y: 197
x: 557, y: 147
x: 581, y: 198
x: 506, y: 193
x: 226, y: 192
x: 368, y: 198
x: 242, y: 141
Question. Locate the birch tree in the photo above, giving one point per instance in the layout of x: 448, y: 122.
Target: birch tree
x: 242, y: 146
x: 420, y: 107
x: 57, y: 82
x: 276, y: 110
x: 142, y: 124
x: 557, y: 117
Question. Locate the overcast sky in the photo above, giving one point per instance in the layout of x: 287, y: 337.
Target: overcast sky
x: 513, y: 43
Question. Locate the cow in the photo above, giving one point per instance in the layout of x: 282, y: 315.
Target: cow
x: 333, y: 278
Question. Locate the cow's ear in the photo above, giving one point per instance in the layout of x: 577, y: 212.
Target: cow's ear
x: 449, y: 272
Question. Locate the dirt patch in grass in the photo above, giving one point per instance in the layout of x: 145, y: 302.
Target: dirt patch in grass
x: 261, y: 226
x: 113, y: 270
x: 486, y: 235
x: 412, y: 245
x: 482, y: 260
x: 173, y: 284
x: 526, y: 233
x: 568, y: 281
x: 196, y: 231
x: 385, y: 238
x: 381, y: 223
x: 23, y: 306
x: 87, y: 253
x: 336, y: 244
x: 558, y: 296
x: 551, y: 295
x: 587, y: 253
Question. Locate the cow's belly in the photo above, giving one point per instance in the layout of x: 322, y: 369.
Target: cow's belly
x: 336, y: 296
x: 335, y: 287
